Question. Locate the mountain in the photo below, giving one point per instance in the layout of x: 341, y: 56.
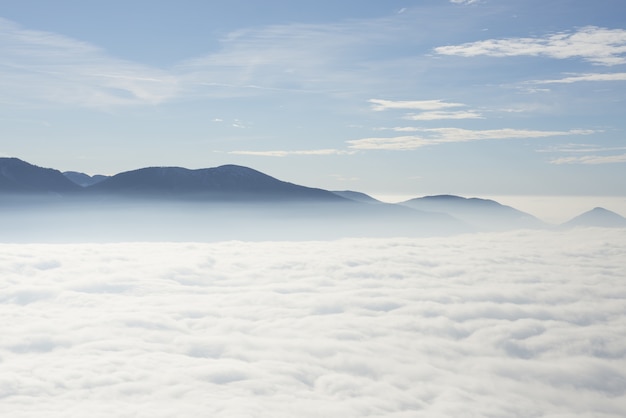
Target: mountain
x: 482, y: 214
x: 598, y: 217
x: 82, y: 179
x: 356, y: 196
x: 227, y: 182
x: 17, y: 176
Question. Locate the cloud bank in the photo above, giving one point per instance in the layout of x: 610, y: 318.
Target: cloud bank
x: 517, y: 324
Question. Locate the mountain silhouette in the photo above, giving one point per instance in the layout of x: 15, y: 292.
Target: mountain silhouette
x: 598, y: 217
x: 482, y: 214
x: 82, y: 179
x: 17, y: 176
x: 231, y: 202
x: 227, y: 182
x: 174, y: 203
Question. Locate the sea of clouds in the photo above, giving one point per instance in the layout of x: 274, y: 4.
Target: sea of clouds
x: 515, y: 324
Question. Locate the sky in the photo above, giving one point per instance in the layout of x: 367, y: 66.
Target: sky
x: 396, y: 97
x: 517, y: 324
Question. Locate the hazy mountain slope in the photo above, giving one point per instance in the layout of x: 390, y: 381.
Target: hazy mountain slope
x: 17, y: 176
x: 83, y: 179
x: 356, y: 196
x: 224, y: 182
x: 483, y: 214
x: 598, y: 217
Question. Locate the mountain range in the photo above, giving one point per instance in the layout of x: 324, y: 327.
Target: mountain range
x: 17, y: 176
x: 233, y: 198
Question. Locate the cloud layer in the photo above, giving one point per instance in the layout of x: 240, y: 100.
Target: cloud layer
x: 518, y: 324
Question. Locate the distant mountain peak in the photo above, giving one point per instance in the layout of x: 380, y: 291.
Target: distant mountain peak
x: 483, y: 214
x: 17, y: 176
x: 597, y: 217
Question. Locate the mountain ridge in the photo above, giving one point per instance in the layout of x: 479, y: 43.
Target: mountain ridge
x: 484, y: 214
x: 222, y: 182
x: 82, y: 179
x: 234, y: 183
x: 18, y: 176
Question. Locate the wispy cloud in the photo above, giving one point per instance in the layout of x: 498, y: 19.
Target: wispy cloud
x: 591, y: 159
x: 450, y: 135
x: 433, y: 109
x: 575, y: 151
x: 597, y: 45
x: 470, y: 114
x: 330, y: 58
x: 580, y: 148
x: 53, y: 68
x: 301, y: 58
x: 380, y: 105
x: 279, y: 153
x: 585, y: 77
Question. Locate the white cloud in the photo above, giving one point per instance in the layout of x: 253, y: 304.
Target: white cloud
x: 379, y: 105
x: 447, y: 135
x: 499, y: 325
x: 591, y: 159
x: 470, y: 114
x: 599, y: 46
x: 585, y: 77
x: 580, y: 148
x: 588, y: 159
x: 283, y: 153
x: 433, y: 109
x: 463, y: 1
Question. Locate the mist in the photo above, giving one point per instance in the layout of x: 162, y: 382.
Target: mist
x: 107, y: 218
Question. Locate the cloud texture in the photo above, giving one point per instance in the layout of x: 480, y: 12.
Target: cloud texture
x: 434, y: 136
x: 600, y: 46
x: 519, y: 324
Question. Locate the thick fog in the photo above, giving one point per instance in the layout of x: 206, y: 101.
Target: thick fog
x: 65, y: 220
x: 516, y: 324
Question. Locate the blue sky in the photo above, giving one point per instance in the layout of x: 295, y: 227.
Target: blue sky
x: 474, y: 97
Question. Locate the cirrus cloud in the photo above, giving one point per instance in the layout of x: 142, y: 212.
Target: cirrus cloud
x: 284, y: 153
x: 585, y: 77
x: 470, y: 114
x: 379, y: 105
x: 56, y: 68
x: 591, y: 159
x: 600, y: 46
x: 435, y: 136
